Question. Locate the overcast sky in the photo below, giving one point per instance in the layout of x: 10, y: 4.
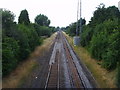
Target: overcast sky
x: 60, y: 12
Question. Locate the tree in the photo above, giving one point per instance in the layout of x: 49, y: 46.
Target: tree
x: 102, y: 14
x: 24, y: 17
x: 42, y: 20
x: 10, y: 52
x: 101, y: 37
x: 118, y: 75
x: 83, y: 21
x: 72, y: 29
x: 7, y: 18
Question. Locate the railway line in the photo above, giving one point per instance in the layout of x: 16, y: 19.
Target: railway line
x: 65, y: 70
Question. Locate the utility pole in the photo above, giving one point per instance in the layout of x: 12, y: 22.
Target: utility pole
x: 77, y: 33
x: 80, y: 17
x: 79, y: 7
x: 76, y: 38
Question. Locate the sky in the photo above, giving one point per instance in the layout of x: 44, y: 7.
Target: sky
x: 60, y: 12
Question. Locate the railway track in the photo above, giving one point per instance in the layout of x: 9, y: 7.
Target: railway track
x: 64, y: 68
x: 53, y: 76
x: 76, y: 82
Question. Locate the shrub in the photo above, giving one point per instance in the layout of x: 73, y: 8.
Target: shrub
x: 86, y: 36
x: 118, y: 75
x: 10, y: 52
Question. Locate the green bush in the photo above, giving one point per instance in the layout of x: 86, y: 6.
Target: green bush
x: 31, y: 36
x: 118, y: 75
x: 101, y: 36
x: 10, y: 52
x: 20, y: 39
x: 43, y: 30
x: 98, y: 45
x: 104, y: 43
x: 72, y: 30
x: 86, y: 36
x: 111, y: 56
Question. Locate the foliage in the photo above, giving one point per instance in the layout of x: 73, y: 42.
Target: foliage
x: 30, y: 34
x: 19, y: 40
x: 24, y: 17
x: 98, y: 43
x: 44, y: 30
x: 105, y: 39
x: 71, y: 29
x: 118, y: 75
x: 103, y: 14
x: 42, y: 20
x: 7, y: 18
x: 86, y: 35
x: 111, y: 56
x: 101, y: 36
x: 10, y: 52
x: 104, y: 43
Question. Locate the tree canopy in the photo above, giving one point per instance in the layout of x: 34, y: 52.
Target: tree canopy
x: 7, y: 18
x: 24, y: 17
x: 101, y: 37
x: 19, y: 40
x: 42, y: 20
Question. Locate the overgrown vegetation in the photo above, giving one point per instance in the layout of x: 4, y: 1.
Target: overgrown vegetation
x: 19, y: 40
x: 18, y: 77
x: 104, y: 78
x: 101, y: 37
x: 71, y: 29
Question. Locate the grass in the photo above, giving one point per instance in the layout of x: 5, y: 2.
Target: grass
x: 19, y: 75
x: 40, y: 50
x: 105, y: 79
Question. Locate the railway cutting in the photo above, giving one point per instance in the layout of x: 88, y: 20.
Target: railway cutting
x: 65, y: 68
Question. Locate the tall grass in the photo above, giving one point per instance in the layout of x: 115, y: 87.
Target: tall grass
x: 17, y: 77
x: 105, y: 79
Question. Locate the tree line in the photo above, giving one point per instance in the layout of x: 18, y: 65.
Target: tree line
x: 101, y: 37
x: 20, y: 39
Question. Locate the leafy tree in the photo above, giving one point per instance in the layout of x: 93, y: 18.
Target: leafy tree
x: 31, y: 37
x: 86, y: 35
x: 24, y: 17
x: 102, y: 14
x: 104, y: 43
x: 7, y: 18
x: 10, y: 52
x: 44, y: 30
x: 20, y: 39
x: 102, y: 37
x: 23, y: 43
x: 83, y: 21
x: 52, y: 29
x: 72, y: 29
x: 118, y: 75
x: 42, y: 20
